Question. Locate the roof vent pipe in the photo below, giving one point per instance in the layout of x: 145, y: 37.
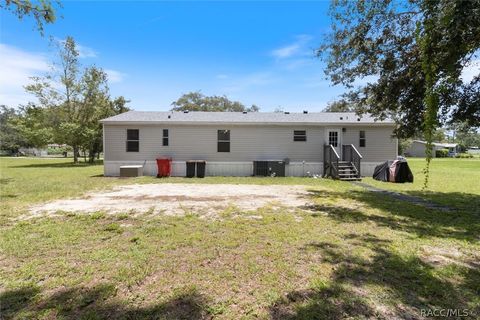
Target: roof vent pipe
x: 169, y: 116
x: 305, y: 111
x: 286, y: 112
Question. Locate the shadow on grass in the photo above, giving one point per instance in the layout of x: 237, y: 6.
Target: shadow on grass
x: 5, y: 181
x: 382, y: 286
x: 8, y: 196
x: 99, y: 302
x: 400, y: 215
x: 459, y: 200
x: 58, y: 165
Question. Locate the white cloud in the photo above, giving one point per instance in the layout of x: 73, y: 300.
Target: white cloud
x: 86, y: 52
x: 221, y: 76
x: 114, y: 76
x: 16, y: 67
x: 470, y: 71
x: 294, y: 49
x: 286, y: 52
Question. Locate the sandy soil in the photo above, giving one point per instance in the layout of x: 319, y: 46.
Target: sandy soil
x: 178, y: 199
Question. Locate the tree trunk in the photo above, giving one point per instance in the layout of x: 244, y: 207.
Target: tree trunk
x: 91, y: 155
x: 75, y: 154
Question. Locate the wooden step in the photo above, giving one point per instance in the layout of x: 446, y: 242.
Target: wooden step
x: 347, y: 171
x: 351, y: 179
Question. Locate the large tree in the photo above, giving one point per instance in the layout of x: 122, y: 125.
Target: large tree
x: 11, y: 138
x: 196, y: 101
x: 341, y: 105
x: 75, y: 101
x: 413, y: 54
x: 43, y: 11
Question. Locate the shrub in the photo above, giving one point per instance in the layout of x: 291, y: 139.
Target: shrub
x: 464, y: 155
x: 441, y: 153
x: 58, y: 150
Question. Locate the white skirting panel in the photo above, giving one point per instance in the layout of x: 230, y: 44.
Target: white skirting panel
x: 234, y: 169
x: 301, y: 169
x: 367, y: 168
x: 229, y: 169
x: 112, y: 168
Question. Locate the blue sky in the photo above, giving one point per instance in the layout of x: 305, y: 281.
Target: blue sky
x: 255, y: 52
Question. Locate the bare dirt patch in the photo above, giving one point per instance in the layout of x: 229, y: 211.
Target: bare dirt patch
x: 178, y: 199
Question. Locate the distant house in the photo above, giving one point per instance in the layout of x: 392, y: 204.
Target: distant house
x: 236, y: 143
x: 418, y: 148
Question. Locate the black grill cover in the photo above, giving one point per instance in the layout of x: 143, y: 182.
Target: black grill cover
x: 381, y: 171
x: 402, y: 172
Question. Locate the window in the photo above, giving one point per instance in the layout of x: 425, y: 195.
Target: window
x: 223, y: 140
x: 362, y: 139
x: 299, y: 135
x: 133, y: 140
x: 333, y: 138
x: 165, y: 137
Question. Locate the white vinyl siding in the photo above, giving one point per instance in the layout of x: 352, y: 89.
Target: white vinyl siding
x: 380, y: 145
x: 186, y: 142
x: 247, y: 143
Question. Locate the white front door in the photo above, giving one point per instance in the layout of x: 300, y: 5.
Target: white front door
x: 334, y: 138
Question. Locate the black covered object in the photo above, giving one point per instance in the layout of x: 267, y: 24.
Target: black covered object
x: 381, y: 171
x: 399, y: 168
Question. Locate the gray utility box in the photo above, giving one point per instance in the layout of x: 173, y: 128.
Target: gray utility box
x: 269, y: 168
x: 131, y: 171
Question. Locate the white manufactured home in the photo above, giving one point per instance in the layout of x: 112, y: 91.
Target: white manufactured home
x: 232, y: 143
x: 418, y: 148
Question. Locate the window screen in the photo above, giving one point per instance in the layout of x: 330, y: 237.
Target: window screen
x: 223, y: 144
x: 165, y: 137
x: 362, y: 139
x: 299, y: 135
x: 133, y: 140
x: 333, y: 138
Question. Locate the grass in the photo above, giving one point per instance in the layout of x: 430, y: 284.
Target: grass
x: 453, y: 182
x: 354, y: 254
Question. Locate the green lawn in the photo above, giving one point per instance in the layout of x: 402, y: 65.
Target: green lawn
x: 453, y: 182
x: 354, y: 254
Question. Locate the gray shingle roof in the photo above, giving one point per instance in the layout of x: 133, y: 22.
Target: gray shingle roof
x: 239, y: 118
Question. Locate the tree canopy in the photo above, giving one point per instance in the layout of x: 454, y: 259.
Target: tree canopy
x: 339, y: 106
x: 70, y: 103
x: 196, y: 101
x: 392, y: 43
x: 11, y: 138
x: 43, y: 11
x: 414, y: 52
